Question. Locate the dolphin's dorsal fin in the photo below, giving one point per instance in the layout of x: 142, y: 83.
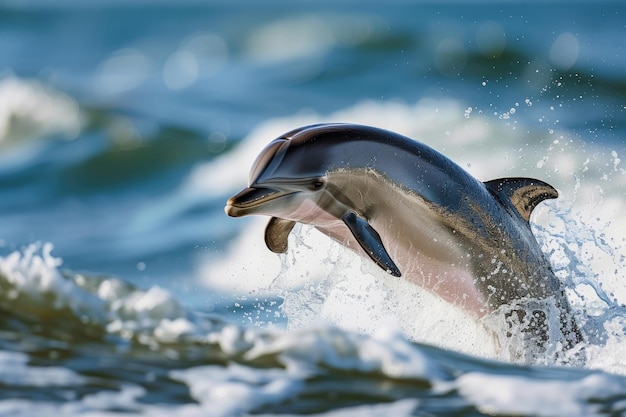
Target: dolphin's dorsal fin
x: 276, y: 234
x: 522, y: 193
x: 370, y: 242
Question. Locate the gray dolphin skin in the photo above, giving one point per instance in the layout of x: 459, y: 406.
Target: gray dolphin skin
x: 416, y: 214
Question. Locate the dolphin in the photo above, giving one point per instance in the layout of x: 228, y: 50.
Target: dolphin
x: 414, y: 213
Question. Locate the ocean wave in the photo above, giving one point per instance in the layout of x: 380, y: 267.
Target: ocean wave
x: 231, y: 370
x: 29, y: 110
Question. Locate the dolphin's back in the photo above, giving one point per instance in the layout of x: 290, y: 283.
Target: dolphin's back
x: 409, y: 163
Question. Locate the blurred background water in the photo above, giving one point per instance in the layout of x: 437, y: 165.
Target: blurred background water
x: 124, y: 127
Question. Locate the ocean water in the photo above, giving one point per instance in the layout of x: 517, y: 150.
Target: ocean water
x: 124, y: 127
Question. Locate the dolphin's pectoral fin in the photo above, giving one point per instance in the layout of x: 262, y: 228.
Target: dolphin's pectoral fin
x: 369, y: 239
x: 523, y: 193
x: 276, y: 234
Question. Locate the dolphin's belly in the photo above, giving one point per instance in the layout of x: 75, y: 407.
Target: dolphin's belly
x: 429, y: 254
x: 454, y: 282
x: 426, y: 252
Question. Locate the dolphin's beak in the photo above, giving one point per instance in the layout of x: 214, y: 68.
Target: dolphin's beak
x: 248, y: 200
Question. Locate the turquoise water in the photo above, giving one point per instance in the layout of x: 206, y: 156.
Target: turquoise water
x: 124, y: 287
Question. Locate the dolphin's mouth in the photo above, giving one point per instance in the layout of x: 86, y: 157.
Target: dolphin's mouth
x: 249, y: 199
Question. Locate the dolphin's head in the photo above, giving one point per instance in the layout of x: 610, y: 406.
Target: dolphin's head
x: 282, y: 178
x: 290, y: 182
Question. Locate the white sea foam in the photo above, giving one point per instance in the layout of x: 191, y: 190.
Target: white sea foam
x: 33, y: 285
x: 387, y: 352
x: 257, y: 271
x: 306, y: 37
x: 29, y: 110
x: 22, y: 408
x: 406, y: 407
x: 99, y: 404
x: 33, y: 280
x: 517, y: 395
x: 236, y: 389
x: 16, y: 372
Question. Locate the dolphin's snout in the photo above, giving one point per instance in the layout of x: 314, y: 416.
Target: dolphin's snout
x: 247, y: 200
x: 230, y: 209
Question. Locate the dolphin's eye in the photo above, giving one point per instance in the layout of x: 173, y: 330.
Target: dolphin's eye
x: 317, y: 184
